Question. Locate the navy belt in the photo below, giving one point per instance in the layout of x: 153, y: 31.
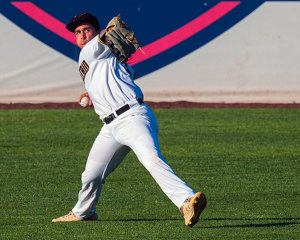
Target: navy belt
x: 121, y: 110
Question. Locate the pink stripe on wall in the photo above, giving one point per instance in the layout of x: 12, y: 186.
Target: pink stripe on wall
x: 151, y: 49
x: 45, y: 20
x: 184, y: 32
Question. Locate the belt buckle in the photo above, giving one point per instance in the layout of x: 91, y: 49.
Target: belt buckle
x: 119, y: 111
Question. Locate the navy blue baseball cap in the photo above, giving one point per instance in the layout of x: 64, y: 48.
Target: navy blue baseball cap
x: 83, y: 18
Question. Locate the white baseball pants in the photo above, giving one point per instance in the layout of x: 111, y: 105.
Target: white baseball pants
x: 135, y: 129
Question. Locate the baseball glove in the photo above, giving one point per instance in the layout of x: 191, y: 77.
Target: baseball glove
x: 121, y: 40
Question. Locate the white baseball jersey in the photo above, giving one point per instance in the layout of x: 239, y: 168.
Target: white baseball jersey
x: 110, y: 86
x: 107, y: 81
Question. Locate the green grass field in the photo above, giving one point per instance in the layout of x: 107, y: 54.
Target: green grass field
x: 245, y: 160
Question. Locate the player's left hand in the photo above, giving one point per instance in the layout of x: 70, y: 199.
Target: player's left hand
x: 121, y: 39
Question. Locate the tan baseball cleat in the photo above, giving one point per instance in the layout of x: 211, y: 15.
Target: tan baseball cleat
x: 71, y: 217
x: 192, y: 208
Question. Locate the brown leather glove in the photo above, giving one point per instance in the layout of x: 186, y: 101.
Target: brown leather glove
x: 121, y: 39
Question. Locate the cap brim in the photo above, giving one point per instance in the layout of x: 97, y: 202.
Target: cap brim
x: 83, y: 19
x: 73, y: 25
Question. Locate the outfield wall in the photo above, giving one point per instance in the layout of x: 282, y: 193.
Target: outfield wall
x: 255, y: 60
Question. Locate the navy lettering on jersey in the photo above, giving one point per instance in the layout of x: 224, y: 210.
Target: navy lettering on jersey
x: 83, y: 69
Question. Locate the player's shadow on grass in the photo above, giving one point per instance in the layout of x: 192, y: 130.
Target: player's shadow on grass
x: 287, y: 221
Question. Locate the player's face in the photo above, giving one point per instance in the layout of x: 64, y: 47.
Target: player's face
x: 84, y: 33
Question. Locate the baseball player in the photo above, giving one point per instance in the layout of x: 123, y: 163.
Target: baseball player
x: 128, y: 124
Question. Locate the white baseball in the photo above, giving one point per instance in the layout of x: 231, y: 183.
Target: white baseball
x: 84, y: 101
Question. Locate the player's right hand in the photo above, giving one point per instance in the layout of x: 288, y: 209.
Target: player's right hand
x: 85, y: 95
